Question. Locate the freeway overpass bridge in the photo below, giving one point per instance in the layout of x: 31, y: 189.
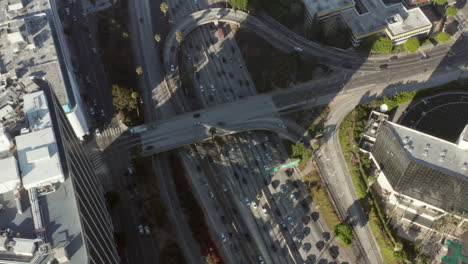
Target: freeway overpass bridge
x: 253, y: 113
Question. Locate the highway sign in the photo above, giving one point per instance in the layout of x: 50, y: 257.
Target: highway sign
x: 292, y: 163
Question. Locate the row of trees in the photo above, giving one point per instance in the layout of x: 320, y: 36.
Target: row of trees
x: 384, y: 45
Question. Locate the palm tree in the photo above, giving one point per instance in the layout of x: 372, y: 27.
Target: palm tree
x: 157, y: 37
x: 179, y: 36
x: 164, y: 7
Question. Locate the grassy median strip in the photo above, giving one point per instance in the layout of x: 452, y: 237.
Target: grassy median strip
x: 320, y: 197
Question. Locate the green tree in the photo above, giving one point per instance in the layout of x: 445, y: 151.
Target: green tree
x: 164, y: 7
x: 301, y: 152
x: 442, y: 37
x: 139, y: 70
x: 440, y: 2
x: 112, y: 198
x: 124, y: 35
x: 239, y: 4
x: 412, y: 45
x: 345, y: 233
x: 451, y: 11
x: 382, y: 45
x: 122, y: 98
x: 179, y: 36
x: 157, y: 37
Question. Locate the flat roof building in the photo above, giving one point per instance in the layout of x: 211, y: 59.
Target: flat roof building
x: 371, y: 17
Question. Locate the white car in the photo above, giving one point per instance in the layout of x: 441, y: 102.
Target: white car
x: 223, y: 237
x: 201, y: 88
x: 212, y: 87
x: 197, y: 123
x: 172, y: 67
x: 141, y: 229
x: 147, y: 230
x: 265, y: 212
x: 98, y: 133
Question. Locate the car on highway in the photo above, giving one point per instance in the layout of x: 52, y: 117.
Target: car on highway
x: 394, y: 58
x: 97, y: 132
x: 281, y: 125
x: 383, y: 66
x: 172, y: 67
x: 91, y: 111
x: 283, y: 225
x: 211, y: 194
x: 75, y: 19
x: 67, y: 11
x: 283, y: 188
x: 147, y: 230
x: 260, y: 260
x: 247, y: 201
x: 212, y: 87
x: 223, y: 187
x: 231, y: 75
x: 290, y: 220
x: 141, y: 229
x: 241, y: 67
x: 294, y: 196
x: 197, y: 123
x: 196, y: 115
x: 223, y: 237
x: 201, y: 88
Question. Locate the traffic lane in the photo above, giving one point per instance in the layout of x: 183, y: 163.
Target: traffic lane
x: 213, y: 174
x: 243, y: 193
x: 254, y: 174
x: 212, y: 214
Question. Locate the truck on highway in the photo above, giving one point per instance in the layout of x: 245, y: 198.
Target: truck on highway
x: 138, y: 129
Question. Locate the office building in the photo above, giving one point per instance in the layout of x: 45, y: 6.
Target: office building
x: 421, y: 173
x: 57, y: 210
x: 371, y: 17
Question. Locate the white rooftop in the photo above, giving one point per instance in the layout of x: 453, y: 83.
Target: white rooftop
x: 395, y: 18
x: 434, y: 152
x: 9, y: 176
x: 37, y: 151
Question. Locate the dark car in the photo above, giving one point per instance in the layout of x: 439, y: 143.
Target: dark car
x: 224, y: 60
x: 244, y: 180
x: 425, y: 57
x: 231, y: 75
x: 394, y: 58
x: 196, y: 115
x: 383, y: 66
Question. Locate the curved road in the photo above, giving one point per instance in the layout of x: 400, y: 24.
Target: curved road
x: 285, y: 39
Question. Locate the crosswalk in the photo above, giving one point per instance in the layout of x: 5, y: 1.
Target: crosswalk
x: 111, y: 132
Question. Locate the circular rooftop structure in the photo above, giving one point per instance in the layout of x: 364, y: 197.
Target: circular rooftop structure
x: 442, y: 115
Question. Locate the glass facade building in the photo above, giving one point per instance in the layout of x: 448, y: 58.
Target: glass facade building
x: 410, y: 171
x: 93, y: 239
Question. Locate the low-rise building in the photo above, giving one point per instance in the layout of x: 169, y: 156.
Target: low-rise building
x: 370, y: 17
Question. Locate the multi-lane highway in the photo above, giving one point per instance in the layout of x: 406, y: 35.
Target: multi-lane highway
x: 218, y: 76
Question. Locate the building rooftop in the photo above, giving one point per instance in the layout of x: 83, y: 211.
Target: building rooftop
x: 37, y: 150
x: 29, y: 45
x: 9, y: 178
x: 395, y: 18
x: 324, y: 7
x: 433, y: 152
